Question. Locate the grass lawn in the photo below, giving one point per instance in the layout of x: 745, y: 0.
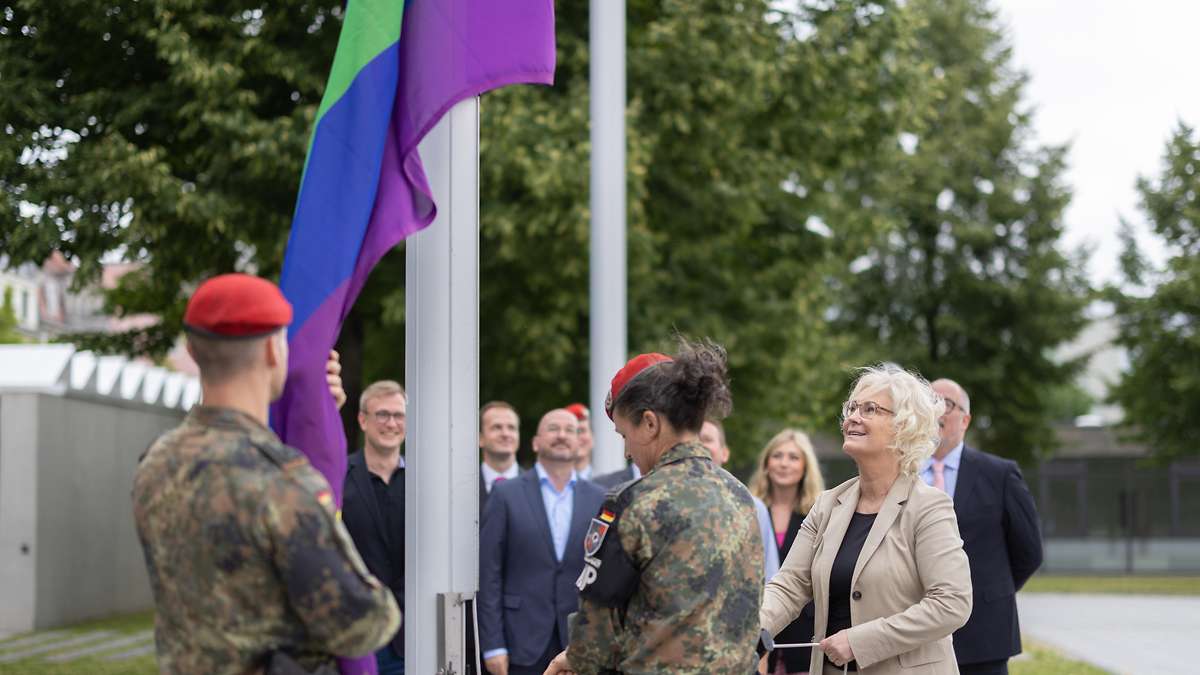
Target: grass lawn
x: 1139, y: 585
x: 121, y: 625
x: 1042, y: 660
x: 1045, y: 661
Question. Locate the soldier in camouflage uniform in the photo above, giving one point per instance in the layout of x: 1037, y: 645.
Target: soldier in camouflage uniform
x: 249, y: 565
x: 674, y: 572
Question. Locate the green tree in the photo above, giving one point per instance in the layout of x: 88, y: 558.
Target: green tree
x: 972, y: 283
x: 745, y: 125
x: 172, y: 134
x: 8, y: 320
x: 1158, y: 310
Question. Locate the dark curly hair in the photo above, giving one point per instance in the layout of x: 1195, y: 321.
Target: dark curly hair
x: 689, y: 389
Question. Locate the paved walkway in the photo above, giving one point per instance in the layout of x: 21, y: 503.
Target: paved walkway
x: 60, y: 646
x: 1126, y: 634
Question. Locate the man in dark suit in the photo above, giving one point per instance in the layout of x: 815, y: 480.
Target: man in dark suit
x: 531, y: 553
x: 499, y: 436
x: 998, y: 523
x: 583, y: 465
x: 609, y: 481
x: 373, y: 503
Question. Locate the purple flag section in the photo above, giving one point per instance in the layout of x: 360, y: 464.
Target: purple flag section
x: 449, y: 50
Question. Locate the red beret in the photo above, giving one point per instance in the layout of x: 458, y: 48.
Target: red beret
x: 579, y: 410
x: 631, y: 370
x: 236, y: 306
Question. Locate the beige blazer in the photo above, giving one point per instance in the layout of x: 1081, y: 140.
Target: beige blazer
x: 912, y: 578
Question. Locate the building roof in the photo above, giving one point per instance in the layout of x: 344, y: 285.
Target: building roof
x: 60, y: 369
x: 57, y: 264
x: 1096, y: 442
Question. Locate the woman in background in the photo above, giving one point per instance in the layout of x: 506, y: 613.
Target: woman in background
x: 788, y: 479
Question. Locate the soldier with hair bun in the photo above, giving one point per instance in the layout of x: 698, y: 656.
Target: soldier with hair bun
x: 251, y: 570
x: 673, y: 573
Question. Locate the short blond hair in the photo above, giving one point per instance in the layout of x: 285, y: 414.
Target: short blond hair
x: 379, y: 390
x: 811, y: 485
x: 916, y: 406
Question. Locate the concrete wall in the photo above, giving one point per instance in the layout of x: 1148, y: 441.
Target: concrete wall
x: 66, y: 468
x: 18, y: 511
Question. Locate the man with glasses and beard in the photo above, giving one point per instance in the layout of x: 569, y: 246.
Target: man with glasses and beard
x: 531, y: 553
x: 373, y: 508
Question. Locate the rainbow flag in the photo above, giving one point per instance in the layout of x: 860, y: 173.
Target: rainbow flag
x: 399, y: 66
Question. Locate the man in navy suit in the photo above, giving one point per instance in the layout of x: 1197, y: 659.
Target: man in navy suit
x: 611, y: 480
x: 998, y: 523
x: 531, y: 553
x: 499, y: 436
x: 583, y: 465
x: 373, y: 499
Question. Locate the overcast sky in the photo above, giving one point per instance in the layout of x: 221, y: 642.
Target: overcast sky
x: 1112, y: 77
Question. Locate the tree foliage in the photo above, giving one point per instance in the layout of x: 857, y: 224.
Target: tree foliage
x: 8, y: 319
x: 972, y: 283
x: 764, y: 156
x: 172, y: 134
x: 744, y: 123
x: 1158, y: 311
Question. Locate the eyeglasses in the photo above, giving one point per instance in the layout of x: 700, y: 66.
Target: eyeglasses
x: 867, y: 409
x: 951, y: 406
x: 382, y: 416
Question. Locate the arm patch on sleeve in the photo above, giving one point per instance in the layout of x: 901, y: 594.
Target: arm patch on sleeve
x: 609, y: 577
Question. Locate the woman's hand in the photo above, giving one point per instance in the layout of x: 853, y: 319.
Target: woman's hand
x: 837, y: 648
x: 559, y: 666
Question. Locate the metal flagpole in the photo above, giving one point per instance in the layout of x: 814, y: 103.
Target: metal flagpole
x: 608, y: 322
x: 442, y: 377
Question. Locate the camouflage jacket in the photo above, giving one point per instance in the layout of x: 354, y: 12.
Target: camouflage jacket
x: 246, y: 555
x: 691, y: 531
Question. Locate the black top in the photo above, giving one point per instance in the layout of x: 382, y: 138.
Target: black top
x: 843, y: 571
x: 390, y: 498
x: 373, y: 513
x: 801, y: 629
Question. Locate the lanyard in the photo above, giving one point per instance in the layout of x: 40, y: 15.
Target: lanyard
x: 797, y: 645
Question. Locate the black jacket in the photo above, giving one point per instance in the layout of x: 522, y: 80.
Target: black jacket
x: 609, y: 481
x: 998, y: 523
x: 382, y: 549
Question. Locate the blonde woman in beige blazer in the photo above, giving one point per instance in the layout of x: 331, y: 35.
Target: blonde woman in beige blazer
x: 908, y: 588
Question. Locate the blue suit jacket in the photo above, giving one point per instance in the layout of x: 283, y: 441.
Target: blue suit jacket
x: 523, y: 590
x: 998, y: 523
x: 612, y: 480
